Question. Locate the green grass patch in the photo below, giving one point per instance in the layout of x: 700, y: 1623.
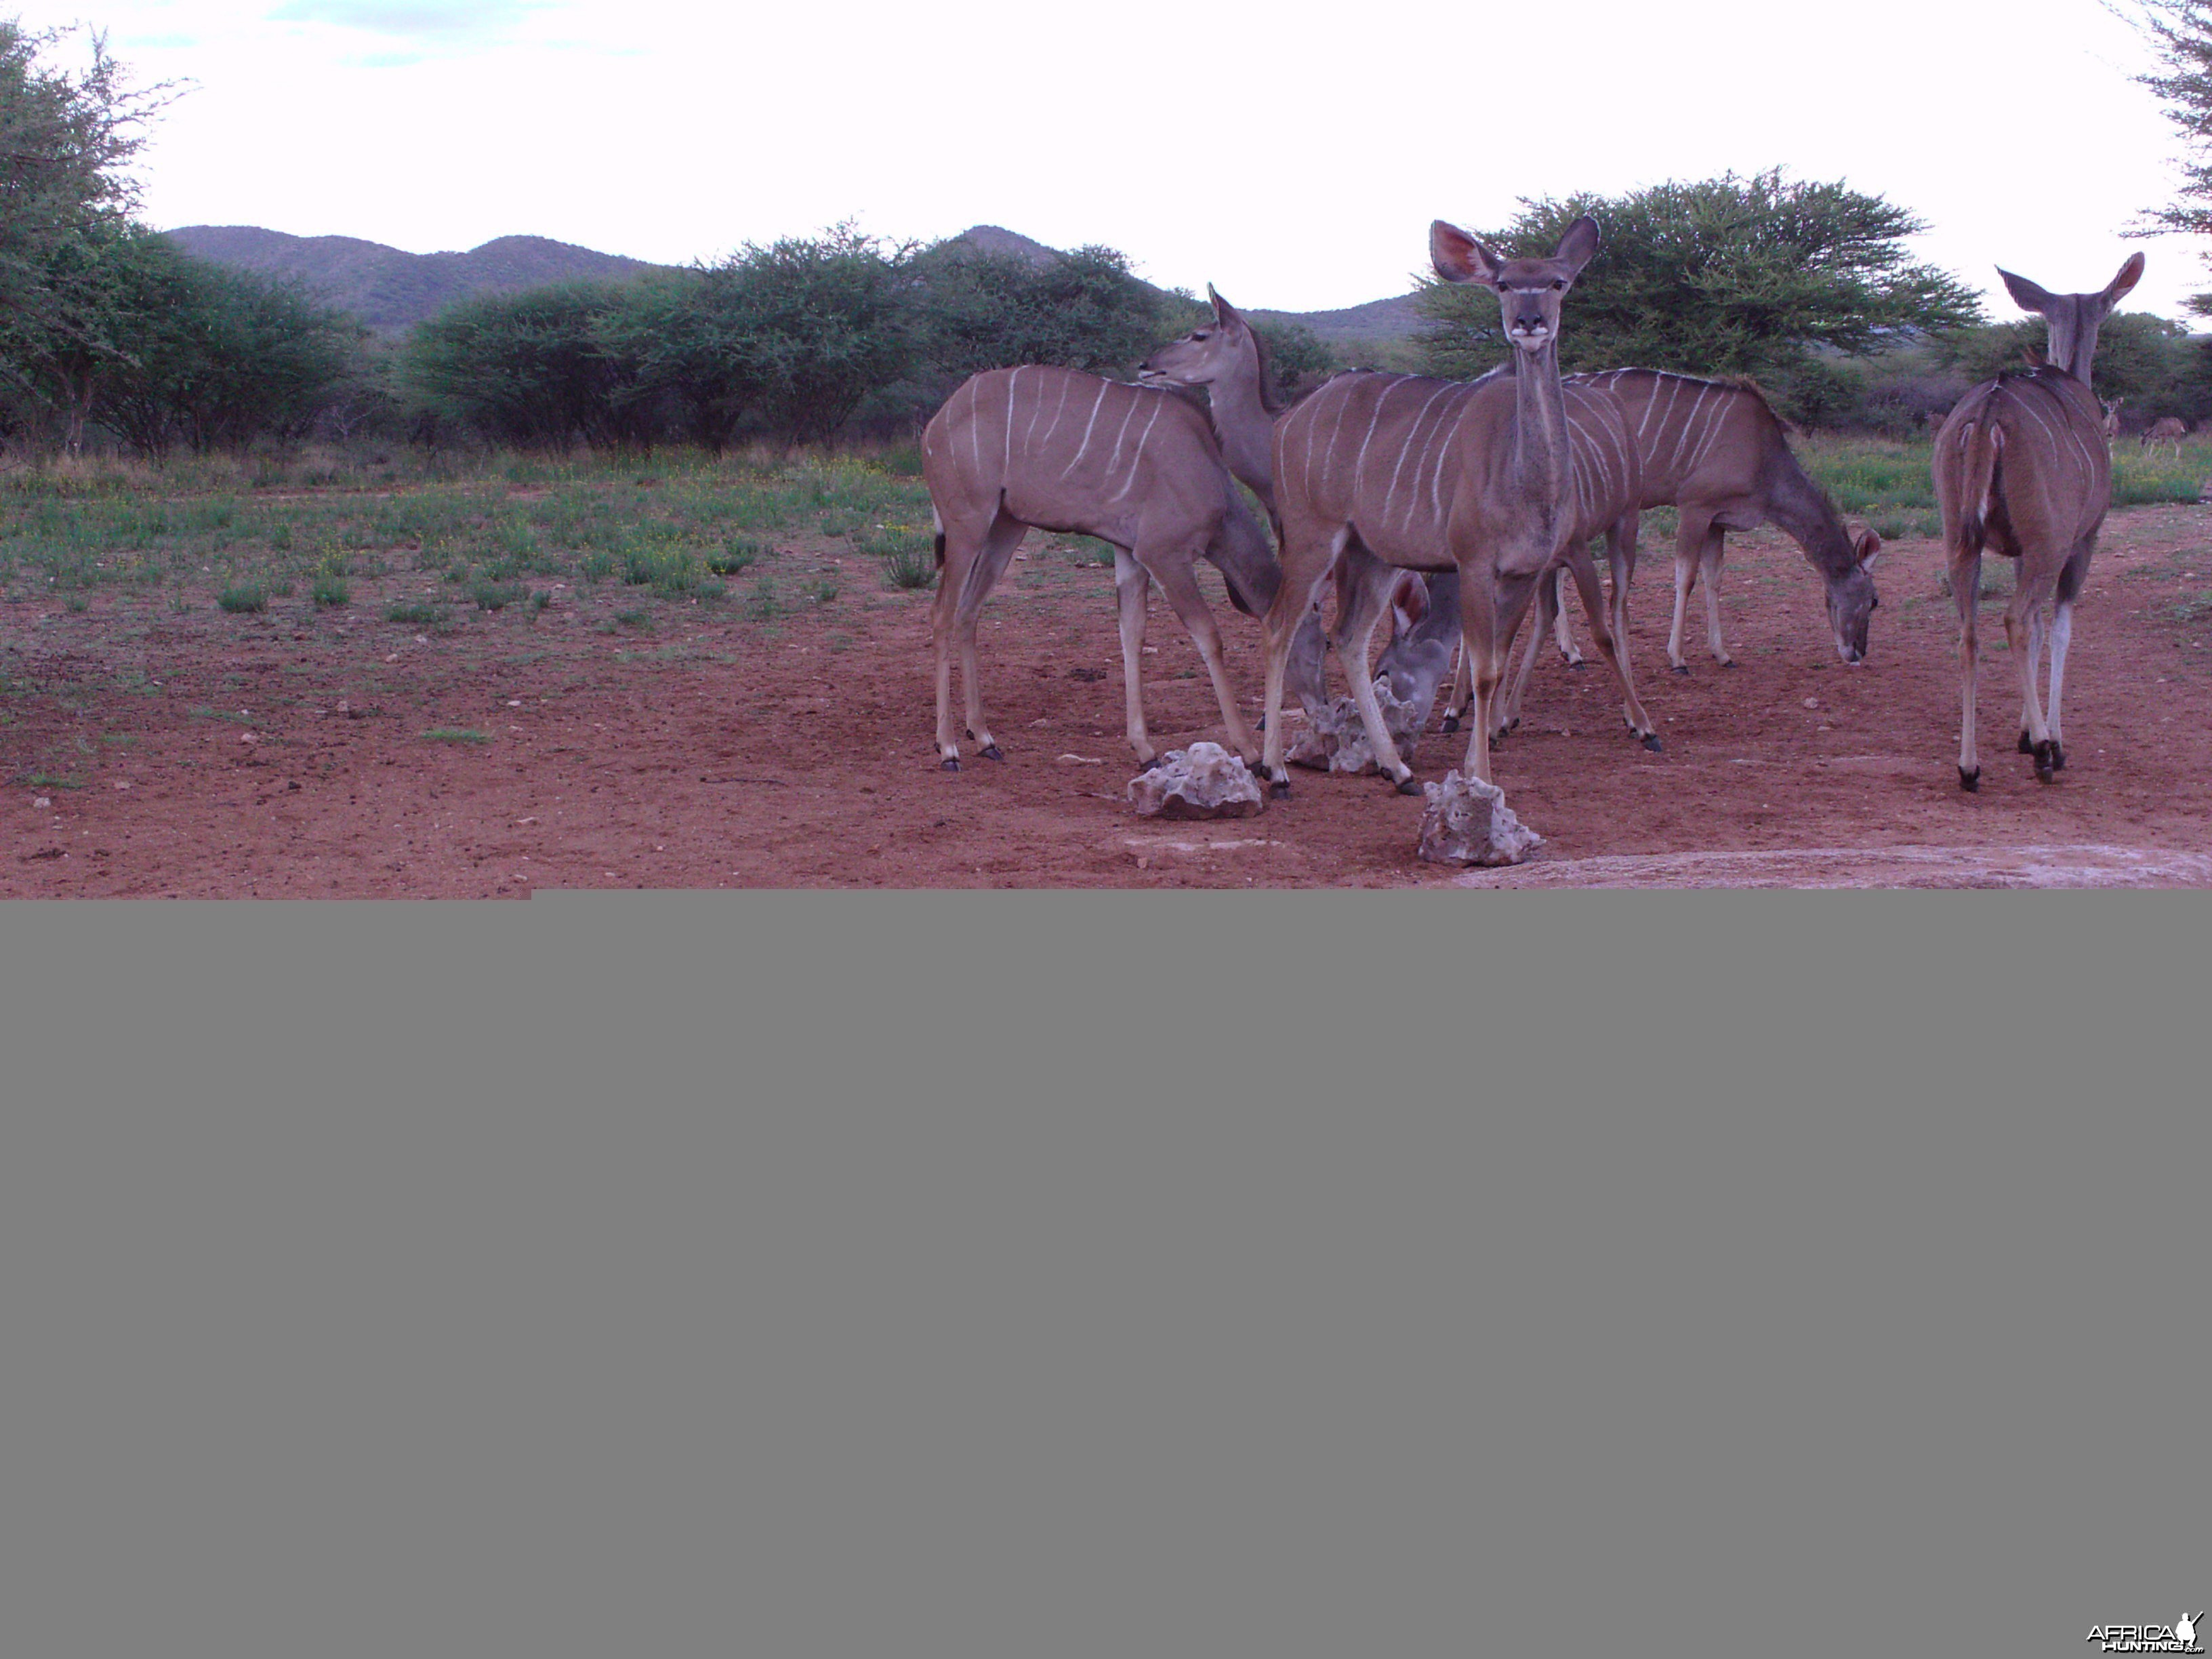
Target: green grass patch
x: 415, y: 615
x: 330, y: 591
x: 454, y: 734
x: 495, y: 596
x: 246, y: 597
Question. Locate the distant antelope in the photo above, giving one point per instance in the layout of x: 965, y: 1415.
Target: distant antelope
x: 1138, y: 468
x: 2167, y: 433
x: 1430, y: 475
x: 1715, y: 451
x: 2111, y: 420
x: 2020, y: 466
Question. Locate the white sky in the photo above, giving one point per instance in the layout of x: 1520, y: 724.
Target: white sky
x: 1294, y: 157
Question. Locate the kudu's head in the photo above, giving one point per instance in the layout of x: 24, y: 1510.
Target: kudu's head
x: 1528, y: 291
x: 2074, y: 318
x: 1218, y: 350
x: 1851, y: 598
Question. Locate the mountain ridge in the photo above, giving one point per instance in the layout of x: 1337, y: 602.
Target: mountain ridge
x: 390, y: 289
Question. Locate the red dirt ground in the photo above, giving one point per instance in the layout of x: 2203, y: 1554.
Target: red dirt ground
x: 201, y: 754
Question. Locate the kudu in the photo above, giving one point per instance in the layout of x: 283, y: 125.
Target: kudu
x: 2112, y: 422
x: 1137, y: 467
x: 2020, y: 466
x: 1432, y: 475
x: 1228, y: 358
x: 2167, y: 433
x: 1717, y: 453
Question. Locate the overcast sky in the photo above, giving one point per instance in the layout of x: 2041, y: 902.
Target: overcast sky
x: 1293, y: 158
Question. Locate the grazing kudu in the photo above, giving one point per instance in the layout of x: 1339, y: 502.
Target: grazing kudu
x: 2166, y: 432
x: 2020, y: 467
x: 1717, y: 453
x: 1432, y: 475
x: 1054, y: 449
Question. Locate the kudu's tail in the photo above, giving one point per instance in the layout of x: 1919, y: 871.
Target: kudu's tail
x: 1981, y: 451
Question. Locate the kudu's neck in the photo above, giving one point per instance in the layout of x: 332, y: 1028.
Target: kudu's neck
x: 1246, y: 429
x: 1540, y: 465
x: 2074, y: 349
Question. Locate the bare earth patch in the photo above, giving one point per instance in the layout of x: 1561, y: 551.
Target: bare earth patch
x: 718, y: 749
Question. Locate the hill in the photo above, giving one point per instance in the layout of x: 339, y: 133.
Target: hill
x: 389, y: 289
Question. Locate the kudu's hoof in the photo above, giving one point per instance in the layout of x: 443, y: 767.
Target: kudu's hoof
x: 1577, y: 662
x: 950, y: 763
x: 1681, y: 668
x: 2046, y: 767
x: 1451, y: 722
x: 1651, y: 742
x: 2026, y: 743
x: 1727, y: 662
x: 2057, y: 756
x: 1279, y: 789
x: 1970, y: 781
x: 992, y: 751
x: 1409, y: 785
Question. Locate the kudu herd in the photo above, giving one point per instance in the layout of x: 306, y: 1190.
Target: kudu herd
x: 1447, y: 508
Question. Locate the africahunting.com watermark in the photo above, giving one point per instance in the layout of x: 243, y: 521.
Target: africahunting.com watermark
x: 2179, y: 1637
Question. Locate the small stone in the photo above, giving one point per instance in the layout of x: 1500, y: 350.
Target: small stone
x: 1468, y: 822
x: 121, y: 785
x: 249, y: 737
x: 1202, y: 781
x: 1812, y: 702
x: 43, y: 801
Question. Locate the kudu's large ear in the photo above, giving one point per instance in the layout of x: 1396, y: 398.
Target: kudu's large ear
x: 1580, y: 242
x: 2025, y: 295
x: 1223, y: 313
x: 2131, y: 274
x: 1458, y: 257
x: 1868, y: 545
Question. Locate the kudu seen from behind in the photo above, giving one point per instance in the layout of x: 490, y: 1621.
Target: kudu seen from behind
x: 1014, y: 449
x: 2022, y: 467
x: 1476, y: 476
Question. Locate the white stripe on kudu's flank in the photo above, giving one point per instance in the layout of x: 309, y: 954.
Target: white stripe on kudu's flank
x: 1682, y: 435
x: 1007, y: 447
x: 1391, y: 493
x: 1328, y: 450
x: 1029, y: 434
x: 1137, y: 460
x: 1443, y: 453
x: 1673, y: 388
x: 974, y: 423
x: 1058, y: 408
x: 1085, y: 446
x: 1114, y: 464
x: 1360, y: 459
x: 1714, y: 424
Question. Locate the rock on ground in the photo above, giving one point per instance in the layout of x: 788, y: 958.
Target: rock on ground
x: 1202, y: 781
x: 1468, y: 822
x: 1335, y: 738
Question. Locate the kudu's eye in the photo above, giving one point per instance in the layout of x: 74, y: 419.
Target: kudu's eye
x: 1559, y: 283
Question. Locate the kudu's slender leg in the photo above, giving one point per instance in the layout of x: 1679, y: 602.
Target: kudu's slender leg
x: 1488, y: 620
x: 1613, y: 647
x: 1462, y: 688
x: 1133, y: 586
x: 2070, y: 578
x: 1178, y: 582
x: 1355, y: 637
x: 1709, y: 567
x: 1000, y: 542
x: 1689, y: 550
x: 1551, y: 618
x: 1966, y: 571
x: 1562, y: 635
x: 964, y: 545
x: 2023, y: 622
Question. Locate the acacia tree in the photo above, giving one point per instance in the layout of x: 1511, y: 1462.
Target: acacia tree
x: 2179, y: 33
x: 1729, y: 276
x: 65, y: 140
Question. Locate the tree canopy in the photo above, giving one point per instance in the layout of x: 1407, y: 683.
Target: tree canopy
x: 1734, y: 275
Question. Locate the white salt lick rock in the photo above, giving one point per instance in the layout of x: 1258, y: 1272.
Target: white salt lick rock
x: 1468, y: 822
x: 1202, y: 781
